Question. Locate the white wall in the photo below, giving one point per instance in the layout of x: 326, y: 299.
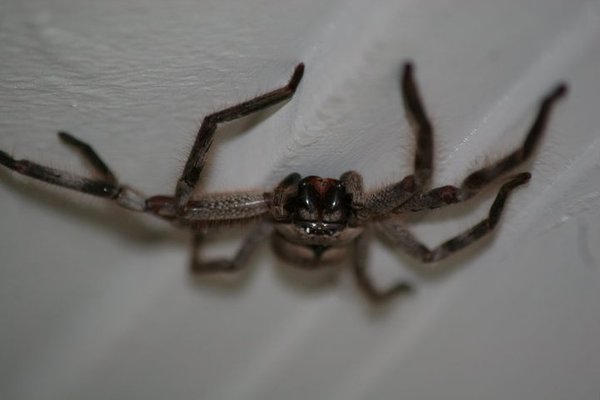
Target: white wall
x: 96, y: 303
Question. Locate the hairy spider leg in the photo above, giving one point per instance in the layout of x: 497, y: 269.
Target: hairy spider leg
x: 90, y: 155
x: 383, y: 201
x: 394, y: 230
x: 195, y: 163
x: 473, y: 183
x: 107, y: 187
x: 417, y: 117
x: 225, y: 266
x: 196, y: 160
x: 280, y: 195
x: 363, y: 278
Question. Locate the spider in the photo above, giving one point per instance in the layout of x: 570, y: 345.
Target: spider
x: 312, y: 221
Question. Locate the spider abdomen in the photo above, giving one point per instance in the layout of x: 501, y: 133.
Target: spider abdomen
x: 307, y: 256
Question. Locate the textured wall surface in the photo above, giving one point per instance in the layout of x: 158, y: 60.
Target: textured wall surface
x: 96, y: 303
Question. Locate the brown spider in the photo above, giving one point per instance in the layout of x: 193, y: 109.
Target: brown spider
x: 312, y: 221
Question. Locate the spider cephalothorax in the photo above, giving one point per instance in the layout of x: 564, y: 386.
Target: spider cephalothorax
x: 312, y: 222
x: 318, y: 220
x: 321, y: 205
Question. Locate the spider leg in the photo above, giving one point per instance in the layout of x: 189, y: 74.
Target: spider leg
x: 416, y: 115
x: 98, y: 165
x: 475, y: 181
x: 378, y: 203
x: 223, y: 266
x: 390, y: 197
x: 108, y: 187
x: 278, y: 198
x: 212, y: 208
x: 365, y: 282
x: 196, y: 160
x: 411, y: 245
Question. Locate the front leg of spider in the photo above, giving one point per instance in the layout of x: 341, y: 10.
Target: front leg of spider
x: 197, y: 158
x: 471, y: 185
x: 383, y: 201
x: 187, y: 209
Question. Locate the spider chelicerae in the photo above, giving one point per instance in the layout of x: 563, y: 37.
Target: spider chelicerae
x: 312, y: 222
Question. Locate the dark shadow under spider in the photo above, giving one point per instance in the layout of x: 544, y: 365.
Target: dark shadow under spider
x: 312, y: 222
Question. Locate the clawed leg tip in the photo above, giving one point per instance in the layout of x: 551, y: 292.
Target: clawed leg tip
x: 296, y: 76
x: 517, y: 180
x: 560, y: 91
x: 68, y: 138
x: 5, y: 159
x: 393, y: 294
x: 524, y: 176
x: 405, y: 289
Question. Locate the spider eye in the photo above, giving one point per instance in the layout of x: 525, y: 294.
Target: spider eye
x: 320, y: 199
x: 307, y: 198
x: 334, y: 198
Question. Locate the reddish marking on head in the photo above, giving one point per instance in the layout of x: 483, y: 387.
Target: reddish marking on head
x: 321, y: 185
x: 448, y: 194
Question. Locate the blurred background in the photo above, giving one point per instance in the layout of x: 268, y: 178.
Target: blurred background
x: 97, y: 303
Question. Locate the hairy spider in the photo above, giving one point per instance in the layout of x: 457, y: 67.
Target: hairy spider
x: 312, y: 221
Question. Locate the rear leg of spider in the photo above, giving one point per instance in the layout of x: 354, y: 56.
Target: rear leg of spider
x: 106, y: 186
x: 89, y: 154
x: 411, y: 245
x: 364, y: 281
x: 229, y: 266
x: 476, y: 181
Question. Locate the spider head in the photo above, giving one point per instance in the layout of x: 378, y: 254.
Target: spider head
x: 321, y: 206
